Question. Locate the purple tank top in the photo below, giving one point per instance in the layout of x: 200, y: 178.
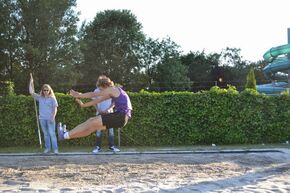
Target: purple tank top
x: 123, y: 103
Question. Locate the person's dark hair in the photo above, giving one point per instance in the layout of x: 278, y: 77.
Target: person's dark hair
x: 104, y: 81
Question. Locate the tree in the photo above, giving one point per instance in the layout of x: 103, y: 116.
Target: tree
x: 232, y: 57
x: 251, y: 80
x: 258, y: 69
x: 9, y: 46
x: 149, y: 56
x: 110, y: 45
x: 170, y: 74
x: 200, y: 68
x: 6, y: 88
x: 235, y: 68
x: 49, y: 36
x: 44, y: 35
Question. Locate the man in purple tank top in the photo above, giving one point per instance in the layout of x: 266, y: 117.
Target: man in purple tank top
x: 117, y: 119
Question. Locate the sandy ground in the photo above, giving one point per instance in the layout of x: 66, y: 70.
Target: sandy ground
x: 184, y: 173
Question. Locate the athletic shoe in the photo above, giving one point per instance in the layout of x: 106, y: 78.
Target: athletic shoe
x: 55, y: 151
x: 96, y: 150
x: 60, y: 132
x: 64, y: 128
x: 46, y: 151
x: 114, y: 149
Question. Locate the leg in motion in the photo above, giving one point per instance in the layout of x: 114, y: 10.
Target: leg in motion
x: 84, y: 129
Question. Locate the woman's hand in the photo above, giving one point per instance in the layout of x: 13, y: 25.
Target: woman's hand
x: 74, y: 94
x: 31, y: 86
x: 80, y: 103
x: 52, y: 119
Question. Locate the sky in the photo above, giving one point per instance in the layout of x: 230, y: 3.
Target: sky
x: 254, y: 26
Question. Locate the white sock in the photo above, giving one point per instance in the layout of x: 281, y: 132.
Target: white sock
x: 66, y: 135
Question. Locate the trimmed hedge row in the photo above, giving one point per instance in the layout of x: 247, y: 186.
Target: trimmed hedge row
x: 220, y: 116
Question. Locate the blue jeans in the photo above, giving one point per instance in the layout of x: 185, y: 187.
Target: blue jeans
x: 99, y: 137
x: 48, y: 129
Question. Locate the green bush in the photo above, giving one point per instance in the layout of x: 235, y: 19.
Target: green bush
x: 220, y: 116
x: 6, y: 88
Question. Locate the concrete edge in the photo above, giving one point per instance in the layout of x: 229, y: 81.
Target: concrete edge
x: 151, y: 152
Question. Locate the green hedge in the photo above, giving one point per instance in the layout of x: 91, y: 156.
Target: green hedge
x: 172, y: 118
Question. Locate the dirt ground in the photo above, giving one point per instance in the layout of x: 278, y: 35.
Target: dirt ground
x: 199, y: 172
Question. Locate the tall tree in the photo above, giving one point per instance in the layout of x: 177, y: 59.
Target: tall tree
x: 170, y: 74
x: 49, y: 38
x: 232, y: 57
x: 111, y: 45
x: 258, y: 69
x: 149, y: 56
x: 235, y: 68
x: 9, y: 46
x: 200, y: 66
x: 45, y: 35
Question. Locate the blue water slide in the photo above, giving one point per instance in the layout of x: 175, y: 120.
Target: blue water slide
x: 278, y: 62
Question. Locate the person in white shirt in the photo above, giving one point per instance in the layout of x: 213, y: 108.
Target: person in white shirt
x: 103, y: 108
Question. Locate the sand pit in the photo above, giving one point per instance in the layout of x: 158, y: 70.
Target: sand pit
x: 216, y: 172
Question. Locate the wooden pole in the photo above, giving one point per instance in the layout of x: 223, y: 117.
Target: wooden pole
x: 36, y: 114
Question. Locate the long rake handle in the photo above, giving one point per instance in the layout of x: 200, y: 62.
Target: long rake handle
x: 37, y: 121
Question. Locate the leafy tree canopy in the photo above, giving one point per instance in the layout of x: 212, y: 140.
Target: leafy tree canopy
x: 110, y: 46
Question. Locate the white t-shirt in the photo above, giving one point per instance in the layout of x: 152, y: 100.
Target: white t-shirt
x: 47, y: 106
x: 104, y: 105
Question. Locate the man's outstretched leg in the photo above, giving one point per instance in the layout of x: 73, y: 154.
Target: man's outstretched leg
x: 83, y: 129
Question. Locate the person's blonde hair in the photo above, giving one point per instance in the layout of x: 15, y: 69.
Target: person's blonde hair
x: 104, y: 81
x: 47, y: 87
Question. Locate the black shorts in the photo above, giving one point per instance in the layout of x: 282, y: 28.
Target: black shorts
x: 114, y: 120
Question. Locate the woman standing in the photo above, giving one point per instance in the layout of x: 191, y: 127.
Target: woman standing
x: 47, y: 112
